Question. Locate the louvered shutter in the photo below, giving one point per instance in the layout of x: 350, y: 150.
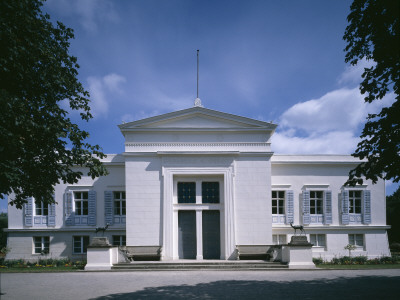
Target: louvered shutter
x: 28, y: 214
x: 108, y: 207
x: 69, y: 214
x: 289, y: 207
x: 52, y: 214
x: 345, y: 207
x: 367, y: 207
x: 306, y: 207
x: 92, y: 208
x: 328, y: 207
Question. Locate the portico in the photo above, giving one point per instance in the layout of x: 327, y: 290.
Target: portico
x: 207, y: 164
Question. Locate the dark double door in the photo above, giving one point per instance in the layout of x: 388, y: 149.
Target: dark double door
x: 187, y: 241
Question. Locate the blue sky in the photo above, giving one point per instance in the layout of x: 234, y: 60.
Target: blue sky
x: 269, y: 60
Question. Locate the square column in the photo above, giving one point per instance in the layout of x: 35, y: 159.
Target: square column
x: 199, y: 234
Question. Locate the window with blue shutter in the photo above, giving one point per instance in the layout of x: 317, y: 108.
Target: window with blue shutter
x: 345, y: 207
x: 278, y: 206
x: 108, y: 207
x: 28, y: 213
x: 92, y: 208
x: 119, y: 202
x: 69, y: 213
x: 328, y: 207
x: 289, y: 206
x: 367, y: 207
x: 52, y: 214
x: 306, y: 207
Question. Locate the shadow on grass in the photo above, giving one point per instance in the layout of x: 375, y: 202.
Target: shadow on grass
x: 365, y: 287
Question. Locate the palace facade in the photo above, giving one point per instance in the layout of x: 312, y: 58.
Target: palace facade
x: 198, y: 183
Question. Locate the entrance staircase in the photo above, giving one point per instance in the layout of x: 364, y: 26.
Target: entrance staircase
x: 185, y: 265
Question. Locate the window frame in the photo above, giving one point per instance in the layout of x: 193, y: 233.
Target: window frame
x: 83, y: 242
x: 280, y: 202
x: 354, y: 237
x: 41, y: 208
x: 318, y: 203
x: 317, y: 240
x: 121, y: 239
x: 121, y: 200
x: 216, y: 195
x: 353, y: 199
x: 197, y: 184
x: 44, y: 244
x: 79, y: 203
x: 276, y: 239
x: 179, y: 192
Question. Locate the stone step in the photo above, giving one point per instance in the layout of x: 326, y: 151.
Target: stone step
x: 237, y: 265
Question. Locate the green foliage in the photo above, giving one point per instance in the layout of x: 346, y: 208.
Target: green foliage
x: 358, y: 260
x: 42, y: 263
x: 392, y: 217
x: 3, y: 235
x: 39, y: 144
x: 350, y: 247
x: 318, y: 261
x: 373, y: 33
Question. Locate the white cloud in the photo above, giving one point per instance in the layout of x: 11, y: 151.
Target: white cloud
x: 99, y: 88
x: 335, y: 142
x: 341, y: 110
x: 327, y: 125
x: 98, y: 105
x: 113, y: 81
x: 158, y: 100
x: 126, y: 118
x: 88, y: 12
x: 352, y: 74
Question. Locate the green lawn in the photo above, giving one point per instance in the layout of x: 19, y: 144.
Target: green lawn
x: 39, y: 269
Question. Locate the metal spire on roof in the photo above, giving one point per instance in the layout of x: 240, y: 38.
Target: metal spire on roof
x: 197, y: 101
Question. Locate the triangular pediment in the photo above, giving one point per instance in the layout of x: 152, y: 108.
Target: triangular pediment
x: 197, y: 118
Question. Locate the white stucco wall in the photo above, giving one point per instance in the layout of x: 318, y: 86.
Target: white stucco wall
x: 61, y: 243
x: 253, y: 200
x: 330, y: 172
x: 143, y: 192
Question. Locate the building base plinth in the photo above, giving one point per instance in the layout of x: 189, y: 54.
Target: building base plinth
x: 100, y: 255
x: 298, y: 254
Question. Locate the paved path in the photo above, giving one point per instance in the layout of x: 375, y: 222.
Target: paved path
x: 319, y: 284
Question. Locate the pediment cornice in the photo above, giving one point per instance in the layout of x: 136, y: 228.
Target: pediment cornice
x: 197, y: 119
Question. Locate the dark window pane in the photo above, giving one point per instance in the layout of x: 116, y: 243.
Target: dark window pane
x: 210, y: 192
x: 77, y: 244
x: 281, y: 207
x: 117, y: 205
x: 85, y: 243
x: 186, y: 192
x: 123, y: 208
x: 85, y: 208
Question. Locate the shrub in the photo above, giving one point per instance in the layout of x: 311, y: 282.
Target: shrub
x: 359, y: 260
x: 318, y: 261
x: 40, y: 263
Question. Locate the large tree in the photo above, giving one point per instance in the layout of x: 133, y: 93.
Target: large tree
x: 373, y: 33
x: 39, y: 144
x: 392, y: 216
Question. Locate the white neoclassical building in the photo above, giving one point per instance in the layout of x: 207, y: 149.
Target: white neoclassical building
x: 198, y: 183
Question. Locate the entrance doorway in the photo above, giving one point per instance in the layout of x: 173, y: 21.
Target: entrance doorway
x: 187, y: 234
x: 211, y: 234
x: 198, y: 202
x: 187, y: 237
